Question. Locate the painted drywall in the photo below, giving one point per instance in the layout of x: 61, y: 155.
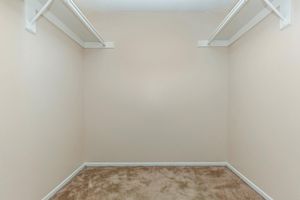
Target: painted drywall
x: 156, y: 96
x: 40, y: 106
x: 265, y: 106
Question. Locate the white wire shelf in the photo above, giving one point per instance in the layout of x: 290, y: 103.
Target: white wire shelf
x: 68, y: 17
x: 244, y: 16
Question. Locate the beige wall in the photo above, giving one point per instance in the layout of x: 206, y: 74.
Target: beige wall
x: 265, y: 107
x: 156, y: 97
x: 40, y: 106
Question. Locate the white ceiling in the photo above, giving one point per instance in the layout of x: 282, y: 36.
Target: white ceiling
x: 152, y: 5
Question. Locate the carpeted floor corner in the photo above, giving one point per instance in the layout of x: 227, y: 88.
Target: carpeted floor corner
x: 157, y: 183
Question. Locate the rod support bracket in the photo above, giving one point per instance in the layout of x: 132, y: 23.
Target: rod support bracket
x: 33, y: 13
x: 286, y: 11
x: 282, y: 8
x: 30, y: 12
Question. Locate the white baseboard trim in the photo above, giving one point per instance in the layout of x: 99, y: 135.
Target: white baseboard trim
x: 157, y: 164
x: 250, y: 183
x: 63, y: 183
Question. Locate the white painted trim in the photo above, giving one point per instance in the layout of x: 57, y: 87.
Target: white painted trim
x: 155, y: 164
x: 158, y: 164
x: 250, y: 183
x: 63, y: 183
x: 131, y: 164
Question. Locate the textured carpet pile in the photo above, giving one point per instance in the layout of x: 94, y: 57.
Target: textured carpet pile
x: 157, y: 183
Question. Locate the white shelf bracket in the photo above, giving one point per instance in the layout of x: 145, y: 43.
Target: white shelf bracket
x: 85, y: 21
x: 282, y: 8
x: 32, y: 15
x: 284, y: 13
x: 34, y: 10
x: 228, y: 18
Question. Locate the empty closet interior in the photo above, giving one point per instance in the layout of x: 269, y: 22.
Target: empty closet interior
x: 144, y: 100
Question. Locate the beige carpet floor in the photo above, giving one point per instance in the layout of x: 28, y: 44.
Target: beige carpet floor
x: 157, y: 183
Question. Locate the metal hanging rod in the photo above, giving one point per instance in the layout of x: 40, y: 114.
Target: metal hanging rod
x: 240, y: 4
x: 227, y: 19
x: 73, y: 7
x: 84, y: 20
